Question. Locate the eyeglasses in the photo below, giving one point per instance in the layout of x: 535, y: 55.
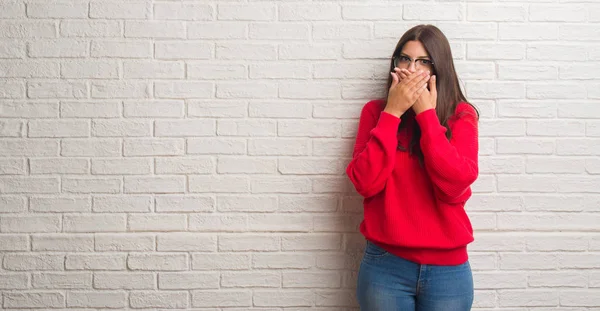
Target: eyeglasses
x: 405, y: 61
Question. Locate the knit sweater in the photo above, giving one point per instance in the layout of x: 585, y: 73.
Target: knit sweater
x: 416, y: 210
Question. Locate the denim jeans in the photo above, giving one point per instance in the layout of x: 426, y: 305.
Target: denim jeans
x: 389, y: 283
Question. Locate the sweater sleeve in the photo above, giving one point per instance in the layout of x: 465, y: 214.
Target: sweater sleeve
x: 452, y: 165
x: 374, y: 154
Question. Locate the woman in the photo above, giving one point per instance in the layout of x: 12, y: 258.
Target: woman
x: 414, y: 161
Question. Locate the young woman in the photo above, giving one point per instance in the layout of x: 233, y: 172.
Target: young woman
x: 414, y: 161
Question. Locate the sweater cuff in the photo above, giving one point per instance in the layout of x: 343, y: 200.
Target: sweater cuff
x: 429, y: 123
x: 388, y: 122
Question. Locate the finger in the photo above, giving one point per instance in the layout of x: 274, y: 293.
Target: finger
x: 420, y: 83
x: 394, y: 79
x: 432, y: 85
x: 417, y: 80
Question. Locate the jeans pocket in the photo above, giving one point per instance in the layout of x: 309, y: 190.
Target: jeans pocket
x: 374, y: 251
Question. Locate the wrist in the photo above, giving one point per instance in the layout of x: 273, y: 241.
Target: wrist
x: 393, y: 112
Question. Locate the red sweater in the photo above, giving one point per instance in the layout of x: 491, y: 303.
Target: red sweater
x: 416, y: 211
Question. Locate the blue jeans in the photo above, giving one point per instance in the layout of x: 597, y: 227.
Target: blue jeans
x: 389, y: 283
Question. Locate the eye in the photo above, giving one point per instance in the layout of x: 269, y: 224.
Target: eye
x: 426, y: 61
x: 404, y: 59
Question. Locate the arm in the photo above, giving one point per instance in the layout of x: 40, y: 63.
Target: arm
x: 374, y: 153
x: 451, y: 165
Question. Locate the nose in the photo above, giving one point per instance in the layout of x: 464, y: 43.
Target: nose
x: 412, y: 67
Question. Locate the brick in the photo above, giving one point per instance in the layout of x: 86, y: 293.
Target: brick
x: 181, y: 50
x: 188, y: 280
x: 90, y: 29
x: 96, y: 262
x: 12, y: 204
x: 30, y: 69
x: 157, y: 222
x: 55, y: 128
x: 246, y: 90
x: 51, y: 280
x: 370, y: 12
x: 12, y: 48
x: 442, y: 12
x: 246, y: 204
x: 304, y: 203
x: 217, y: 30
x: 311, y: 242
x: 311, y: 51
x: 557, y: 13
x: 218, y: 184
x: 584, y: 297
x: 183, y: 11
x: 27, y: 29
x: 12, y: 10
x: 237, y: 165
x: 119, y: 10
x: 127, y: 280
x: 29, y: 109
x: 309, y: 12
x: 159, y: 299
x: 557, y: 279
x: 97, y: 299
x: 555, y: 165
x: 285, y: 298
x: 34, y: 223
x: 529, y: 298
x: 208, y: 223
x: 170, y: 184
x: 282, y: 261
x: 251, y: 279
x: 314, y: 129
x: 267, y: 109
x: 186, y: 89
x: 246, y: 51
x: 121, y: 166
x: 240, y: 243
x: 186, y: 242
x: 280, y: 185
x: 496, y: 13
x: 310, y: 166
x: 130, y: 242
x: 89, y: 70
x: 341, y: 31
x: 90, y: 147
x: 528, y: 31
x: 220, y: 261
x: 121, y: 49
x: 527, y: 109
x: 155, y: 29
x: 46, y: 299
x: 154, y: 109
x: 246, y: 128
x: 41, y: 262
x: 13, y: 242
x: 184, y: 204
x: 211, y: 146
x: 12, y: 90
x: 161, y: 262
x: 524, y: 146
x: 94, y: 223
x: 14, y: 281
x: 221, y: 298
x: 119, y: 204
x: 246, y: 12
x: 577, y: 146
x: 64, y: 90
x: 575, y: 32
x: 63, y: 242
x: 503, y: 51
x: 287, y: 31
x: 153, y: 147
x: 90, y: 109
x: 530, y: 261
x: 91, y: 185
x: 555, y: 91
x: 469, y: 31
x: 12, y: 166
x: 29, y: 184
x: 551, y: 51
x: 66, y: 10
x: 184, y: 128
x: 311, y: 280
x: 559, y: 203
x: 153, y: 70
x: 58, y: 166
x: 120, y: 89
x: 121, y: 128
x: 225, y: 109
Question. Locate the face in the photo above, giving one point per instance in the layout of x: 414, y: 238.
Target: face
x: 413, y: 57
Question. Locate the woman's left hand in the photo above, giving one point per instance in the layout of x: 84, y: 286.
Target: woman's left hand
x: 428, y: 98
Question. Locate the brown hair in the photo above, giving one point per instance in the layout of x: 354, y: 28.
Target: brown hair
x: 449, y: 93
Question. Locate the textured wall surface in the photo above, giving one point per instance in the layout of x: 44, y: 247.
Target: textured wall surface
x: 190, y: 155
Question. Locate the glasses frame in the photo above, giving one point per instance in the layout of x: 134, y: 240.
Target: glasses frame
x: 396, y: 60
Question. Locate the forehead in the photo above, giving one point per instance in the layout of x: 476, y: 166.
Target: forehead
x: 414, y: 49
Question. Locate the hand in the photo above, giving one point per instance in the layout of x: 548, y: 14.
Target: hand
x: 428, y: 98
x: 403, y: 94
x: 402, y: 73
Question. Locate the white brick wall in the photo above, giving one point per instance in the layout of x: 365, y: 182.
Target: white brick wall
x: 190, y: 154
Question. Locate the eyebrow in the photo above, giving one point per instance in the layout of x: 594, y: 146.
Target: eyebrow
x: 420, y: 57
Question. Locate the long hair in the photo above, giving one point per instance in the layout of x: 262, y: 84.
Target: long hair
x: 449, y: 93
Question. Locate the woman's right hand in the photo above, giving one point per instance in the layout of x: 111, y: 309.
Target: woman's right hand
x: 403, y: 94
